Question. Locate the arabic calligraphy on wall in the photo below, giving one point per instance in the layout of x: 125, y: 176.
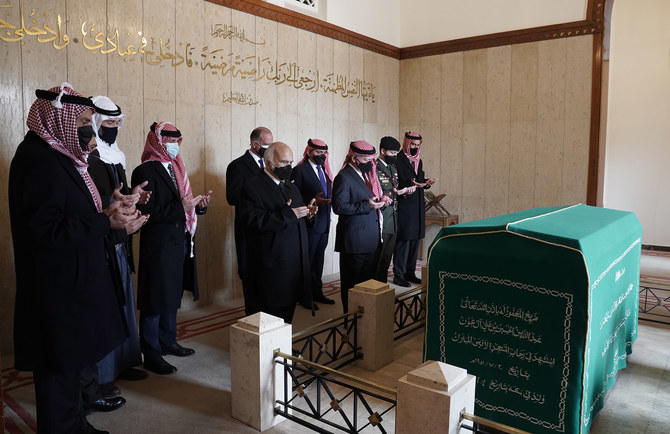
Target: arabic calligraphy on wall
x: 161, y: 52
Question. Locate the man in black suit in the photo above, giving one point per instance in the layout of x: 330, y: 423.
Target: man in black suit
x: 67, y: 316
x: 238, y: 172
x: 167, y: 256
x: 388, y: 179
x: 274, y: 217
x: 411, y: 210
x: 357, y: 199
x: 314, y: 179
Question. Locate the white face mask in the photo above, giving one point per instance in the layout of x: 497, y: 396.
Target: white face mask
x: 172, y: 149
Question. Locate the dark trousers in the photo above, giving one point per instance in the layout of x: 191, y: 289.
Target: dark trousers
x: 157, y: 330
x: 58, y: 401
x: 384, y: 254
x: 404, y: 259
x: 354, y: 268
x: 317, y: 248
x: 285, y: 312
x: 90, y: 389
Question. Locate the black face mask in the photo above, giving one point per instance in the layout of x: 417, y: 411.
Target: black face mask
x: 391, y: 159
x: 85, y: 135
x: 319, y: 159
x: 283, y: 173
x: 365, y: 167
x: 413, y: 151
x: 108, y: 134
x: 261, y: 151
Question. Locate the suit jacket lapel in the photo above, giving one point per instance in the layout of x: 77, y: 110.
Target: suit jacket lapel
x: 163, y: 173
x: 250, y: 162
x: 359, y: 181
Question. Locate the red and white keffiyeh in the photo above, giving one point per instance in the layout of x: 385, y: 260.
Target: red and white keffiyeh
x: 361, y: 148
x: 155, y: 150
x: 320, y: 145
x: 56, y: 123
x: 409, y: 138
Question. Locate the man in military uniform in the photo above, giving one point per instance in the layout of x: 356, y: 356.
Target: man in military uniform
x: 388, y: 178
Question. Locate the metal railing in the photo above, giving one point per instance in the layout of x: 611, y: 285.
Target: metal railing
x: 410, y: 312
x: 331, y: 399
x: 332, y: 343
x: 654, y: 301
x: 478, y: 424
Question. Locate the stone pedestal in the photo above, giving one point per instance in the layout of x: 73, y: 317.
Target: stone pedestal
x: 254, y: 385
x: 375, y: 329
x: 432, y: 397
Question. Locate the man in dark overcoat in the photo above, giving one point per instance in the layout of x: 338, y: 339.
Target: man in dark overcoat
x: 314, y: 179
x: 274, y: 217
x: 411, y: 210
x: 67, y: 316
x: 238, y: 172
x: 167, y: 258
x: 357, y: 199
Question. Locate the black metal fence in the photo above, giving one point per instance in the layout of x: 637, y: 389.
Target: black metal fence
x: 336, y: 400
x: 654, y: 301
x: 410, y: 312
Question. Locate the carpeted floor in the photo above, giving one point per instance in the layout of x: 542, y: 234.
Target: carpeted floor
x: 197, y: 398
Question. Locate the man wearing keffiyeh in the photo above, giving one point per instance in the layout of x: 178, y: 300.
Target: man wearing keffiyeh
x: 314, y: 179
x: 167, y: 257
x: 411, y: 210
x: 67, y: 316
x: 357, y: 199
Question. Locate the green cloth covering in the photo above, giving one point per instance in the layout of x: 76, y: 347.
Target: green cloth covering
x: 541, y: 306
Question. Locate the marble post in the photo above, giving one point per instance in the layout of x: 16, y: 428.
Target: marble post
x: 375, y: 328
x: 256, y: 383
x: 432, y: 397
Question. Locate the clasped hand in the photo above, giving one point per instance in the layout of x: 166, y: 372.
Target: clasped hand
x: 201, y: 201
x: 124, y: 215
x: 304, y: 211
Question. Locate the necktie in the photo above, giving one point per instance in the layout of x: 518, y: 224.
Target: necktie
x: 322, y: 178
x: 174, y: 180
x: 261, y: 163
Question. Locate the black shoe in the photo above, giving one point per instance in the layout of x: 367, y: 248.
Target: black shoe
x: 412, y: 278
x: 133, y: 374
x: 87, y: 428
x: 106, y: 404
x: 401, y: 282
x: 308, y: 306
x: 177, y: 350
x: 109, y: 390
x: 323, y: 299
x: 159, y: 366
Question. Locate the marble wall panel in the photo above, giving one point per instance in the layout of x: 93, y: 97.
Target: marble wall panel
x: 87, y: 69
x: 451, y: 168
x: 371, y: 67
x: 356, y: 70
x: 524, y: 84
x: 242, y: 60
x: 266, y: 93
x: 551, y: 79
x: 575, y: 161
x: 578, y: 77
x: 220, y: 151
x: 474, y: 170
x: 409, y: 97
x: 474, y: 84
x: 429, y: 128
x: 307, y: 54
x: 549, y: 163
x: 287, y: 96
x: 498, y: 97
x: 125, y: 82
x: 522, y: 165
x: 386, y: 97
x: 159, y: 74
